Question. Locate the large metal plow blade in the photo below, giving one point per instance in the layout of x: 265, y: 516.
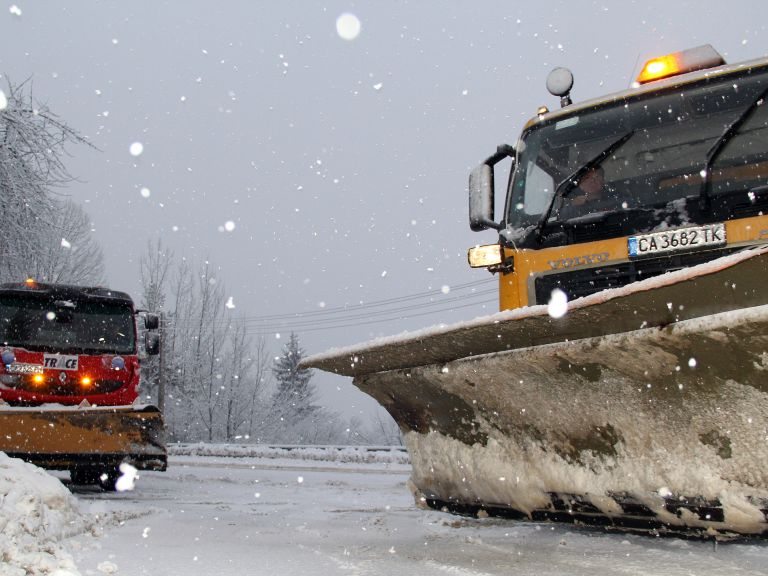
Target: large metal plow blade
x: 644, y: 407
x: 90, y: 442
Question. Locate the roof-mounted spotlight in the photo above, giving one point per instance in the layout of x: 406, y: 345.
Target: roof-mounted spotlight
x: 559, y: 83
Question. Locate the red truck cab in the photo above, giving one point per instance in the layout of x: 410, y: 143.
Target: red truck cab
x: 64, y: 344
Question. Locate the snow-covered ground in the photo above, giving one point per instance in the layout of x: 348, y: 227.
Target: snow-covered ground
x: 295, y: 515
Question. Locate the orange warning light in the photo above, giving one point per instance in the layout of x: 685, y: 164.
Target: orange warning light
x: 676, y: 63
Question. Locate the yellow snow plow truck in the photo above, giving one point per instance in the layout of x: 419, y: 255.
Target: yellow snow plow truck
x: 625, y: 381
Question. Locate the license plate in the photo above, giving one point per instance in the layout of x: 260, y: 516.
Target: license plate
x: 676, y: 240
x: 20, y: 368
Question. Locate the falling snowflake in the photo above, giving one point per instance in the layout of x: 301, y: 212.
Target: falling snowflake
x: 558, y: 304
x: 145, y: 192
x: 229, y: 226
x: 3, y: 101
x: 348, y: 26
x: 15, y: 10
x: 136, y: 149
x: 127, y: 480
x: 65, y: 243
x: 230, y: 303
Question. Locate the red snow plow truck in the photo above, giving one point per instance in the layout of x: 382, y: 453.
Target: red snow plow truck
x: 69, y: 376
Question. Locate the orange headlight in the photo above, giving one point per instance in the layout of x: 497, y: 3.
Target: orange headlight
x: 86, y: 381
x: 38, y: 379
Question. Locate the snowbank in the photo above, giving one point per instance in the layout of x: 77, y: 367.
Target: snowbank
x: 36, y: 513
x: 346, y: 454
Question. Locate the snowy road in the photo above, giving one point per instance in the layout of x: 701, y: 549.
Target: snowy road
x: 259, y: 516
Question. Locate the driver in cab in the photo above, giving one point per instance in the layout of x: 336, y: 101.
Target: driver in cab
x: 591, y: 188
x: 589, y: 196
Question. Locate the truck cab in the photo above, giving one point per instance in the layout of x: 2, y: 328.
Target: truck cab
x: 65, y: 344
x: 682, y: 163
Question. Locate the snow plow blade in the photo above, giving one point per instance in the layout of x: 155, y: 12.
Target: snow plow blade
x: 644, y: 407
x: 84, y: 440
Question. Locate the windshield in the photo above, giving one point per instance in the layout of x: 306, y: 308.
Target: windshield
x: 660, y: 164
x: 67, y: 325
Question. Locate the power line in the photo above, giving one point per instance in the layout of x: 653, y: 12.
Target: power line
x: 354, y: 308
x: 375, y: 303
x: 397, y: 308
x: 293, y: 328
x: 394, y: 312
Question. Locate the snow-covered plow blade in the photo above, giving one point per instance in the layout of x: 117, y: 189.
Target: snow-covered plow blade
x: 643, y: 407
x: 91, y: 442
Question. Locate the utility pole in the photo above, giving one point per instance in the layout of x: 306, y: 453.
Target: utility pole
x: 160, y: 370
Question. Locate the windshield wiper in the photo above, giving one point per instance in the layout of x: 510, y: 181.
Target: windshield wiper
x: 719, y: 145
x: 572, y: 179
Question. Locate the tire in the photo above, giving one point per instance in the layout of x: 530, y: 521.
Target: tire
x: 95, y: 475
x: 107, y: 480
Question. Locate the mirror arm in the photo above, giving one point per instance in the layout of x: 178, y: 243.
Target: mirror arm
x: 502, y: 151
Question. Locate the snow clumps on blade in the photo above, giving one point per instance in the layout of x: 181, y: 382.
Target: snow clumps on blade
x: 558, y: 303
x: 36, y: 515
x: 348, y: 26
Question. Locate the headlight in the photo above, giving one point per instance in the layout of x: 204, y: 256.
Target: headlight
x: 484, y: 256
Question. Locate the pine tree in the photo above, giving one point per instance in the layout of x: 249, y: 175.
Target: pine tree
x: 294, y: 399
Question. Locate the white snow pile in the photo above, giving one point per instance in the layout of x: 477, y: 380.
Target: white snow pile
x: 346, y: 454
x: 36, y: 513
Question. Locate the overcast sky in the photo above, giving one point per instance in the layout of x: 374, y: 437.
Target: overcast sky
x: 318, y: 172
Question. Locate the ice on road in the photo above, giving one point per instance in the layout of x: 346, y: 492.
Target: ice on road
x: 243, y: 516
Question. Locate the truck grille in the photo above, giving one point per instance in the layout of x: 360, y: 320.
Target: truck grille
x: 586, y: 281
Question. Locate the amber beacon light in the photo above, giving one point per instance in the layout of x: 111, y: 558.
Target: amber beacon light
x: 676, y: 63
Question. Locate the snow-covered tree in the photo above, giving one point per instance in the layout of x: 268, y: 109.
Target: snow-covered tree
x: 42, y: 234
x: 214, y: 371
x: 68, y: 253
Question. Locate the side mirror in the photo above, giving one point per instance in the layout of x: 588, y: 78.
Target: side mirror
x: 152, y: 343
x: 481, y: 191
x: 151, y: 321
